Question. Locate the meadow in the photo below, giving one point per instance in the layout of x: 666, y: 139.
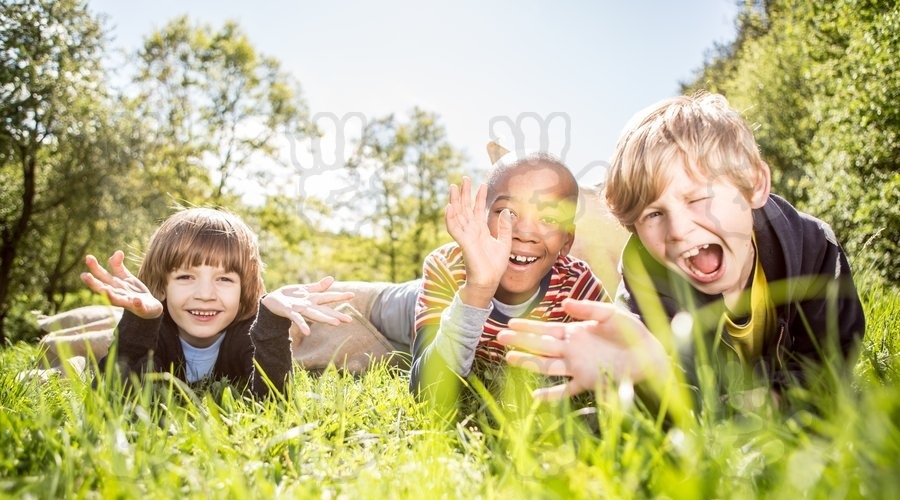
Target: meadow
x: 333, y: 435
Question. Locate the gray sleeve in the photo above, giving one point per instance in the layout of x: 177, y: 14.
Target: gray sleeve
x: 394, y: 313
x: 451, y: 346
x: 461, y: 329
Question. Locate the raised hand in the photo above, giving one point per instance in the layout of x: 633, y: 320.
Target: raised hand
x: 486, y: 256
x: 609, y: 341
x: 121, y: 287
x: 302, y: 303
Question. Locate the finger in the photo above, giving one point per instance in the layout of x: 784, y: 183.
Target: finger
x: 319, y: 286
x: 451, y: 220
x: 555, y: 329
x: 97, y: 270
x: 301, y: 323
x: 545, y: 345
x: 480, y: 200
x: 117, y: 265
x: 92, y: 282
x: 324, y: 315
x: 330, y: 297
x: 538, y: 364
x: 589, y: 310
x: 504, y: 227
x: 454, y: 195
x: 606, y: 320
x: 558, y: 392
x: 465, y: 196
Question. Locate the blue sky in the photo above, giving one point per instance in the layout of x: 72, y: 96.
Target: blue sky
x: 593, y: 64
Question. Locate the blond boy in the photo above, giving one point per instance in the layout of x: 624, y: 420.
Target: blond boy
x: 763, y: 282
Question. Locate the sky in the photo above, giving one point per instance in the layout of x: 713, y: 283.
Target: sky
x: 573, y: 72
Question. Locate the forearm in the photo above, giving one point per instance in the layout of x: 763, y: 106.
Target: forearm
x: 451, y: 348
x: 136, y: 337
x: 271, y: 351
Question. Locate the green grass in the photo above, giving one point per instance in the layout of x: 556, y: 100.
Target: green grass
x: 338, y: 436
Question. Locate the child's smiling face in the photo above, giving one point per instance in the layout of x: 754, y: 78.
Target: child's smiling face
x: 542, y: 206
x: 702, y: 229
x: 203, y: 301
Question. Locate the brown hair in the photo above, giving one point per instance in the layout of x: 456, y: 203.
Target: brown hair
x: 205, y: 236
x: 702, y: 130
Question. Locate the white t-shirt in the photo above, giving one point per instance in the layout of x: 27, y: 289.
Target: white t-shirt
x: 517, y: 310
x: 199, y: 361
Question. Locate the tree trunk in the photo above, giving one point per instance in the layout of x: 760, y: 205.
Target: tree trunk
x: 12, y: 236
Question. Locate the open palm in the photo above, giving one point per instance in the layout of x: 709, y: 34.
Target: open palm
x: 486, y: 256
x: 121, y: 287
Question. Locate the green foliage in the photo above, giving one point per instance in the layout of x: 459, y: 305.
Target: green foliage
x: 220, y: 105
x: 335, y: 435
x: 818, y: 81
x: 201, y: 118
x: 403, y: 170
x: 57, y: 147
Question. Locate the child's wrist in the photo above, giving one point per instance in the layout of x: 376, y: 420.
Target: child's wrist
x: 474, y: 295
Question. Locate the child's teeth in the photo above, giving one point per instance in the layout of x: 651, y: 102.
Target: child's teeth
x: 694, y: 251
x: 520, y: 259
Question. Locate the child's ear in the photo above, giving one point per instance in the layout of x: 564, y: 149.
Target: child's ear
x: 763, y: 187
x: 567, y: 246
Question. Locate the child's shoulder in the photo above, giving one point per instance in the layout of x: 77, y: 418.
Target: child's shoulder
x: 573, y: 268
x: 447, y: 256
x: 803, y: 241
x: 447, y: 251
x: 789, y: 223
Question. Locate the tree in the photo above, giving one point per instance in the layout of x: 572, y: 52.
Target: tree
x: 218, y: 104
x: 52, y: 137
x: 818, y: 82
x: 403, y: 170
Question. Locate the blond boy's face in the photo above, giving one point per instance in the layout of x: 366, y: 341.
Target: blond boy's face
x: 542, y: 208
x: 702, y: 229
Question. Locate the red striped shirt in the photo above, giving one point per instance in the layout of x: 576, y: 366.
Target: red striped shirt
x: 445, y: 272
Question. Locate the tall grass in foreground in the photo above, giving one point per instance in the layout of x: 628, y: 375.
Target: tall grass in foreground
x: 335, y: 435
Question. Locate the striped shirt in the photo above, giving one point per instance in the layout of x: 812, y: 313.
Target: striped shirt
x: 445, y: 272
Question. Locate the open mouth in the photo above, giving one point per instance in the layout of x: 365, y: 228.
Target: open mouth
x: 522, y: 260
x: 704, y: 262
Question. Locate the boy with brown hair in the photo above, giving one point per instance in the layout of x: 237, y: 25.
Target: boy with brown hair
x: 765, y: 283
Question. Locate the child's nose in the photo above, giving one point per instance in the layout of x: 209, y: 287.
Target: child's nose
x: 679, y: 226
x: 526, y: 228
x: 205, y: 290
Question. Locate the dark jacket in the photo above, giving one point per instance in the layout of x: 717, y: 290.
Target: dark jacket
x: 809, y: 279
x: 152, y: 345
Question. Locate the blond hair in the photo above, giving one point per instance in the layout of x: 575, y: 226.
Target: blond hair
x: 700, y: 131
x: 205, y: 236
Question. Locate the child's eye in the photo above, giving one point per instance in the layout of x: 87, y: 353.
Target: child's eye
x: 182, y: 276
x: 551, y: 221
x: 652, y: 215
x: 230, y: 278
